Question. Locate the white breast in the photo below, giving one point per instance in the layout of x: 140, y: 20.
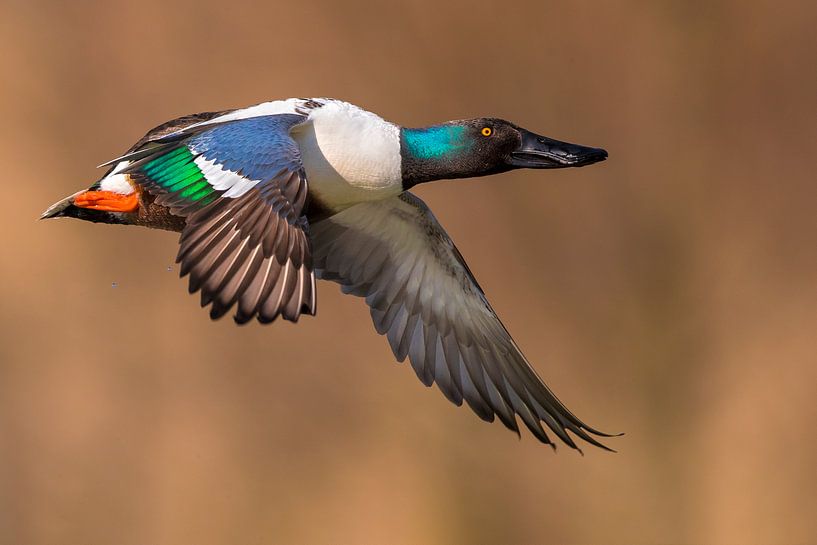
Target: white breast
x: 350, y: 155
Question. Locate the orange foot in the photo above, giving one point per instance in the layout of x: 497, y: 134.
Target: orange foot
x: 108, y: 201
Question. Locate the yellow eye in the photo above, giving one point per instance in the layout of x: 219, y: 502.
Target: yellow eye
x: 487, y: 131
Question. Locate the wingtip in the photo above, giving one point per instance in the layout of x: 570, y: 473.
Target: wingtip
x: 601, y: 445
x: 601, y: 433
x: 607, y: 449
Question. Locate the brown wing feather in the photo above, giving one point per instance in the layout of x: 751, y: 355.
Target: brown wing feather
x: 240, y: 251
x: 251, y: 251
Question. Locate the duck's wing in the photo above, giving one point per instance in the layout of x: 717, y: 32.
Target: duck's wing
x: 425, y: 300
x: 240, y: 184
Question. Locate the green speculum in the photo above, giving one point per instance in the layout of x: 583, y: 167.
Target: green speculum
x: 176, y: 172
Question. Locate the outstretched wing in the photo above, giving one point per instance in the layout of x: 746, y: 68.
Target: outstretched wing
x: 241, y: 185
x: 426, y: 301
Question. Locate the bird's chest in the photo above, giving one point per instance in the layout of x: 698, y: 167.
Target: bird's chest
x: 344, y: 168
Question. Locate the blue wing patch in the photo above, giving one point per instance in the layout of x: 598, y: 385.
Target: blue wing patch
x: 226, y: 160
x: 241, y: 186
x: 256, y: 149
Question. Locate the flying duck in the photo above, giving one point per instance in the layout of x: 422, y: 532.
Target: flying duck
x: 270, y: 197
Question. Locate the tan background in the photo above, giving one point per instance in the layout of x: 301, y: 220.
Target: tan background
x: 670, y: 293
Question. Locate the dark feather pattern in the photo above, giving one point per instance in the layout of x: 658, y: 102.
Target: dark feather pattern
x: 426, y: 301
x: 247, y: 248
x: 225, y: 250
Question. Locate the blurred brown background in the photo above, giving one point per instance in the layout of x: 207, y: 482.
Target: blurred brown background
x: 670, y: 293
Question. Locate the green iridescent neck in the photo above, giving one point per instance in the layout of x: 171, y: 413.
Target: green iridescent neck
x: 436, y: 153
x: 437, y: 142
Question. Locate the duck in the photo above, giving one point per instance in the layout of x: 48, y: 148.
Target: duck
x: 272, y: 197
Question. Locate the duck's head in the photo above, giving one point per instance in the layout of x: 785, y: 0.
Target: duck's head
x: 482, y: 146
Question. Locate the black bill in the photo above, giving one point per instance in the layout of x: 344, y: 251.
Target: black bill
x: 542, y: 152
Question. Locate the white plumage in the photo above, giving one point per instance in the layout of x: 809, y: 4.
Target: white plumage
x: 350, y: 155
x: 224, y: 179
x: 117, y: 183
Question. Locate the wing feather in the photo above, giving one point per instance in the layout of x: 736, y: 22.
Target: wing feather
x: 241, y: 186
x: 425, y: 300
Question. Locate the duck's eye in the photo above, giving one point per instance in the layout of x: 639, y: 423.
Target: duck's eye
x: 487, y: 131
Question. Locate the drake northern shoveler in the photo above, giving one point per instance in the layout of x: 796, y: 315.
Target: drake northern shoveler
x: 269, y: 198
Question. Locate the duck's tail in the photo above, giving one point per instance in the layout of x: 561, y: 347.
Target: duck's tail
x: 96, y: 206
x: 62, y: 208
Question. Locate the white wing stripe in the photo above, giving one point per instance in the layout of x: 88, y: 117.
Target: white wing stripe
x: 224, y: 179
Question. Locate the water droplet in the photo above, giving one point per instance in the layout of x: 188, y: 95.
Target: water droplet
x: 169, y: 268
x: 114, y: 284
